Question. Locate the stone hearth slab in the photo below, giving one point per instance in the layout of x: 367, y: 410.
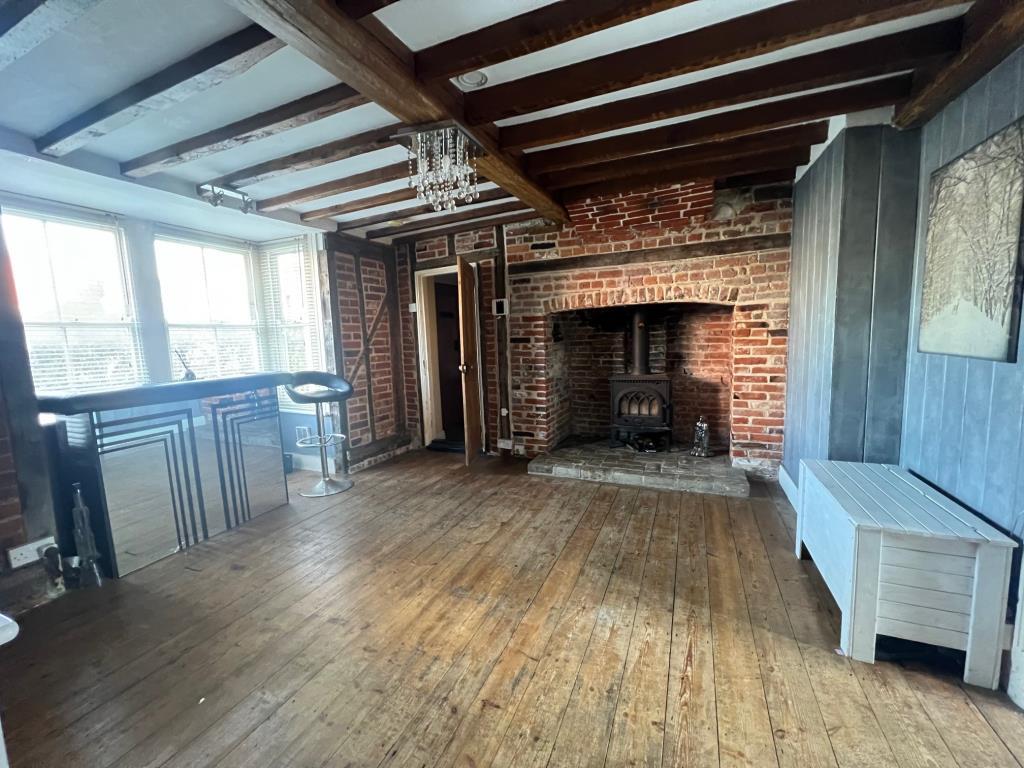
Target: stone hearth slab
x: 669, y: 471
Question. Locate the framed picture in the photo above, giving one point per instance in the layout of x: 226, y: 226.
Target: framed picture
x: 973, y: 275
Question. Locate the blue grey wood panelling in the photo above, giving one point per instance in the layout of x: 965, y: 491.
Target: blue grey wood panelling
x: 964, y: 419
x: 817, y: 200
x: 890, y: 306
x: 853, y: 249
x: 855, y: 284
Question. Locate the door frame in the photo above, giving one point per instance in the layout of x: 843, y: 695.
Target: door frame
x: 426, y: 362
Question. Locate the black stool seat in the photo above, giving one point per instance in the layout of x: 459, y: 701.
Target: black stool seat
x: 320, y: 388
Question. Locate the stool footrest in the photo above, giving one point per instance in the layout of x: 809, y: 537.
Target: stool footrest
x: 320, y: 441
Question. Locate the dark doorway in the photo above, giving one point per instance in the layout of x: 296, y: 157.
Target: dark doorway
x: 446, y: 303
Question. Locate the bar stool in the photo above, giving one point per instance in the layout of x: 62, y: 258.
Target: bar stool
x: 318, y: 388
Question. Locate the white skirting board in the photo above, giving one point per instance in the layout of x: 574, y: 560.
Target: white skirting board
x: 789, y: 488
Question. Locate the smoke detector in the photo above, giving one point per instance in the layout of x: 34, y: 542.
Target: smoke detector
x: 472, y: 79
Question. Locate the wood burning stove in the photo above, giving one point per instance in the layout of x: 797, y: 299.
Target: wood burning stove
x: 641, y: 401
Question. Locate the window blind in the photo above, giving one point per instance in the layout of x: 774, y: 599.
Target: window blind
x: 291, y: 316
x: 72, y: 282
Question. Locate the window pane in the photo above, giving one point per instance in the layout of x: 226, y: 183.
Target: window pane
x: 290, y: 286
x: 212, y: 351
x: 85, y: 358
x: 227, y: 280
x: 26, y: 242
x: 86, y: 266
x: 182, y: 282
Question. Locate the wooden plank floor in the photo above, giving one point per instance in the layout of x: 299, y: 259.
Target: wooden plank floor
x: 434, y: 616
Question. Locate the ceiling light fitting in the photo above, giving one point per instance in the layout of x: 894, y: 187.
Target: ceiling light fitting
x: 215, y: 195
x: 473, y: 79
x: 442, y: 164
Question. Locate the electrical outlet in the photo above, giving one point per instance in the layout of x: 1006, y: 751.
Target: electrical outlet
x: 27, y: 554
x: 505, y: 443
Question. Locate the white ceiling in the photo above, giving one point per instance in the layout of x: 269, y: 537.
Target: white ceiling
x: 120, y: 42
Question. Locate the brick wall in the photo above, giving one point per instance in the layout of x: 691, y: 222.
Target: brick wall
x: 378, y: 400
x: 753, y: 287
x: 732, y: 306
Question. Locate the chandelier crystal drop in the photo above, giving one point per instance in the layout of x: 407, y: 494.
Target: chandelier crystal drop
x: 442, y: 167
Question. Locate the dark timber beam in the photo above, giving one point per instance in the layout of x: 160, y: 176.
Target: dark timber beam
x: 498, y: 221
x: 882, y: 56
x: 357, y: 9
x: 751, y: 35
x: 781, y: 176
x: 689, y: 157
x: 993, y: 29
x: 332, y: 152
x: 727, y: 125
x: 531, y: 31
x: 334, y: 40
x: 487, y: 196
x: 270, y: 123
x: 790, y: 158
x: 199, y: 72
x: 440, y: 221
x: 25, y: 24
x: 362, y: 204
x: 391, y: 172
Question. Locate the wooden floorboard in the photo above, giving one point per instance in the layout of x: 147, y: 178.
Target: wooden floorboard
x: 439, y: 616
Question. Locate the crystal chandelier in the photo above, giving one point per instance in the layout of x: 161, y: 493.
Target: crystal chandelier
x: 442, y: 166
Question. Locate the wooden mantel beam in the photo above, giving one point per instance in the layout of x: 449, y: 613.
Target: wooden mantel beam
x: 25, y: 24
x: 199, y: 72
x: 993, y: 29
x: 338, y: 43
x: 743, y: 37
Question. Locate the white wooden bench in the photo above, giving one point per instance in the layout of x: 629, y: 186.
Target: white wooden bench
x: 903, y: 560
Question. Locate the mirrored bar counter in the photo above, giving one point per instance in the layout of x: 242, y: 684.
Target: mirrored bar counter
x: 165, y: 466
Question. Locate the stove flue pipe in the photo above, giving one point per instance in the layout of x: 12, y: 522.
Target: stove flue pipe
x: 640, y: 364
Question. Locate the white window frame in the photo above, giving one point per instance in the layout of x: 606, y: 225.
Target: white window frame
x: 309, y: 248
x: 45, y: 212
x: 204, y: 242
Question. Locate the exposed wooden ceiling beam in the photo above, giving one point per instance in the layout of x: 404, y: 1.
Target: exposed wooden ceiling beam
x: 790, y: 158
x: 794, y: 137
x: 25, y: 24
x: 881, y: 56
x: 733, y: 40
x: 487, y: 196
x: 359, y: 8
x: 274, y: 121
x: 531, y: 31
x: 437, y: 221
x: 469, y: 226
x: 781, y: 176
x: 726, y: 125
x: 332, y: 152
x: 362, y: 204
x: 391, y: 172
x: 993, y: 29
x: 197, y: 73
x: 339, y: 44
